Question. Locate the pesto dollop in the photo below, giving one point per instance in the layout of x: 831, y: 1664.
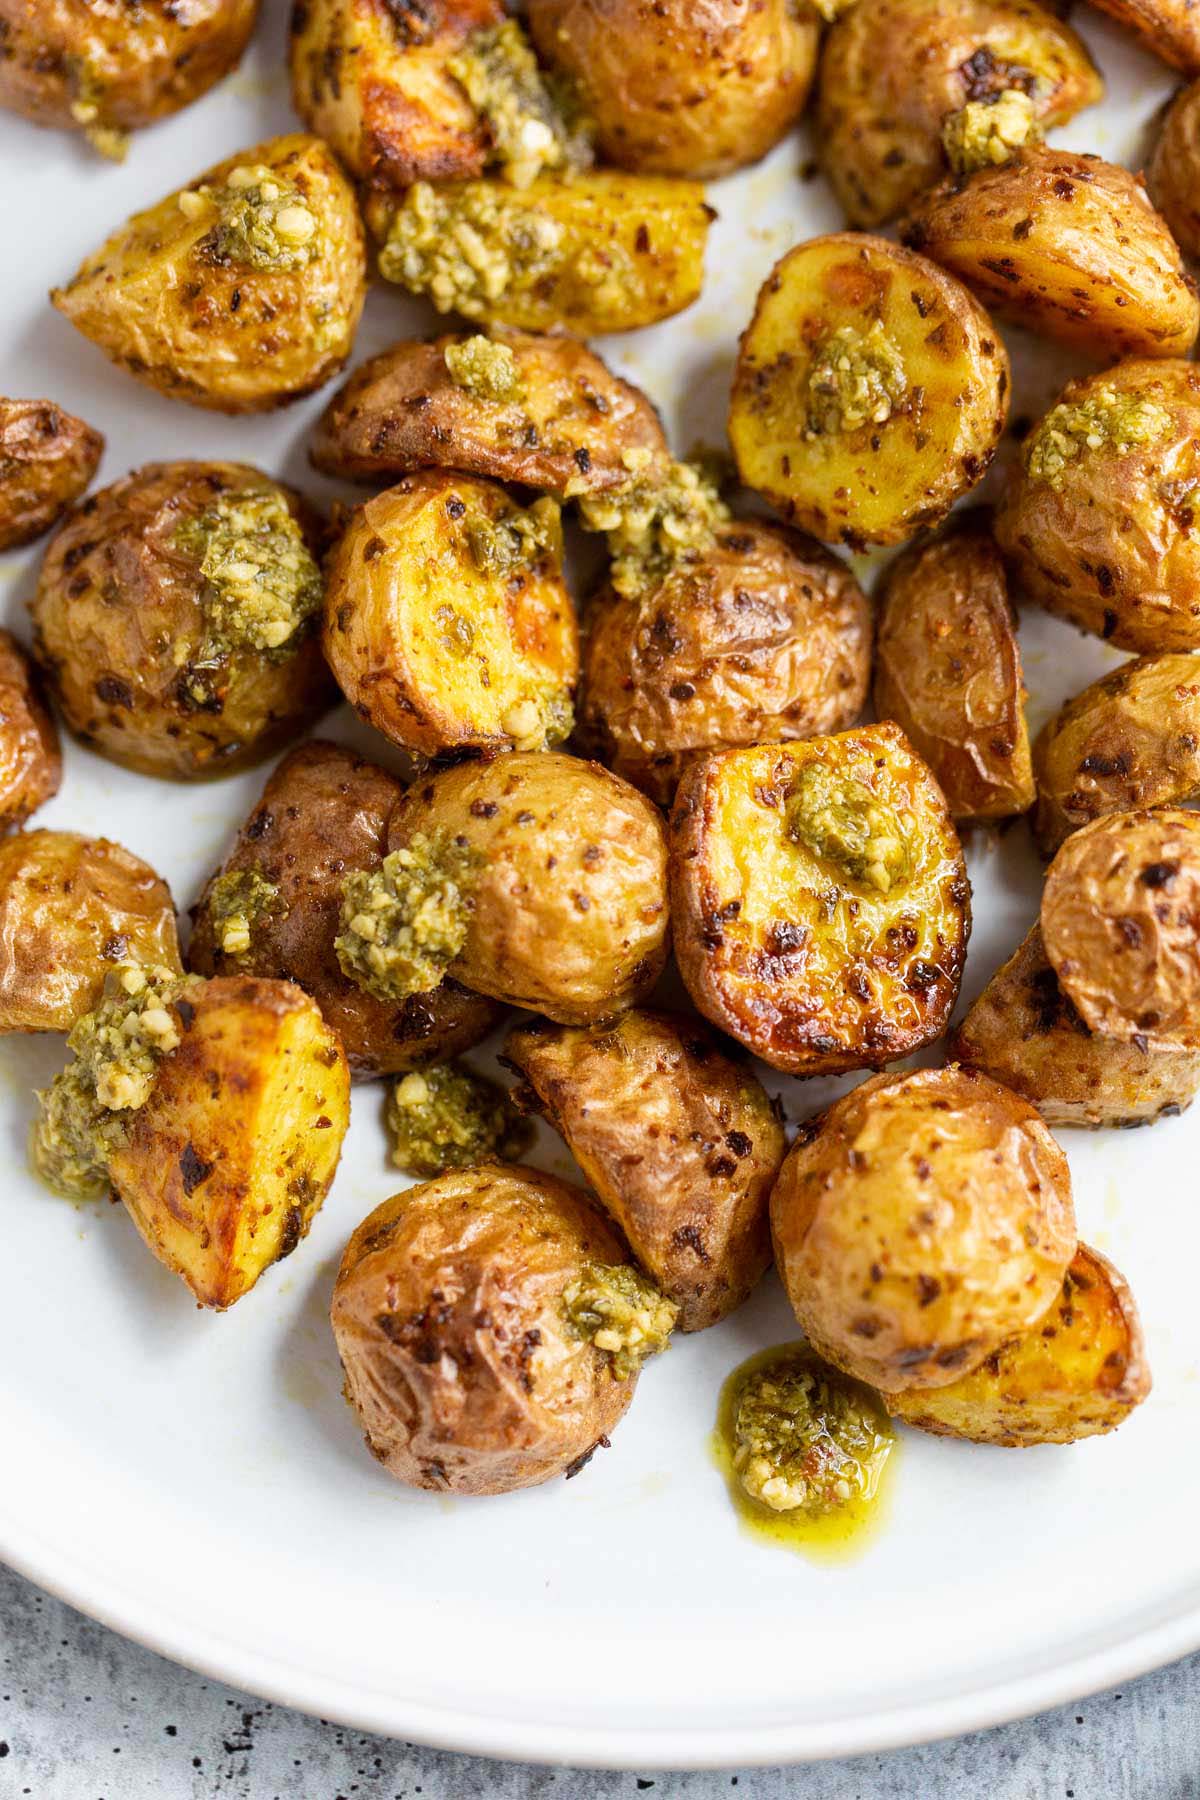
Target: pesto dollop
x: 403, y: 924
x: 617, y: 1309
x: 515, y: 541
x: 835, y: 815
x: 985, y: 133
x: 261, y: 583
x: 856, y: 378
x: 530, y: 130
x: 806, y: 1438
x: 236, y: 902
x: 1106, y: 420
x: 656, y: 520
x: 262, y: 220
x: 448, y: 1117
x: 467, y: 245
x: 485, y: 369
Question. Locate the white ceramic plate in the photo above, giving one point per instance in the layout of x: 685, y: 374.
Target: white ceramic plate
x: 197, y: 1481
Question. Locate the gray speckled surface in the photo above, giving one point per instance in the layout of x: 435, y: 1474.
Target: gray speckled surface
x: 85, y: 1715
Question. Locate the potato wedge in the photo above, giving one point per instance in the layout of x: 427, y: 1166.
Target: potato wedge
x: 1174, y: 170
x: 47, y: 459
x: 870, y: 391
x: 1168, y: 29
x: 30, y: 757
x: 819, y: 899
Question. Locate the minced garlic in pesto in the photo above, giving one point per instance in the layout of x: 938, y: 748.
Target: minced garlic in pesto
x: 837, y: 817
x: 1106, y: 420
x: 530, y: 132
x: 621, y: 1312
x: 806, y: 1438
x: 448, y: 1117
x: 87, y: 107
x: 484, y: 369
x: 403, y: 923
x: 653, y: 523
x: 468, y: 244
x: 985, y: 133
x: 262, y: 220
x: 856, y: 378
x: 261, y: 581
x: 235, y: 903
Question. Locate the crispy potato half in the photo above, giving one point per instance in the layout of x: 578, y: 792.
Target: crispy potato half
x: 47, y: 459
x: 1173, y: 176
x: 919, y: 1224
x: 513, y: 406
x: 680, y: 1143
x: 948, y: 671
x: 238, y: 292
x: 447, y: 619
x: 819, y: 899
x: 763, y: 636
x: 1168, y: 29
x: 870, y: 392
x: 30, y: 757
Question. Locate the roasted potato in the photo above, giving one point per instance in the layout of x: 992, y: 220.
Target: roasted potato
x: 447, y: 620
x: 681, y: 1145
x: 819, y: 899
x: 1078, y: 1372
x: 870, y: 391
x: 893, y: 71
x: 764, y: 636
x: 1119, y: 923
x: 677, y: 88
x: 272, y: 909
x: 30, y: 758
x: 1067, y: 245
x: 542, y: 411
x: 468, y: 1358
x: 47, y: 459
x: 1024, y: 1031
x: 919, y: 1224
x: 1098, y: 518
x: 238, y: 292
x: 225, y: 1165
x: 174, y: 619
x: 1169, y: 29
x: 1174, y: 170
x: 602, y: 252
x: 948, y: 671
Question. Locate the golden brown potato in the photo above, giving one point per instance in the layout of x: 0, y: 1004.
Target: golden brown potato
x: 1023, y: 1031
x: 453, y: 1322
x: 174, y: 619
x: 1119, y: 923
x: 71, y: 909
x: 1068, y: 246
x: 567, y: 904
x: 948, y: 671
x: 276, y: 901
x: 765, y: 636
x: 893, y: 71
x: 679, y: 88
x: 819, y: 899
x: 542, y: 411
x: 225, y: 1166
x: 47, y: 459
x: 1078, y: 1372
x: 602, y: 252
x: 920, y: 1223
x: 870, y: 391
x: 1098, y: 518
x: 1167, y: 28
x: 30, y: 758
x: 1131, y: 739
x: 681, y: 1145
x: 447, y: 620
x: 239, y: 292
x: 1174, y: 170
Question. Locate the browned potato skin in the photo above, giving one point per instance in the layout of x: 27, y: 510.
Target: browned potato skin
x: 324, y: 813
x: 1068, y: 246
x: 948, y: 671
x: 681, y: 1145
x: 1113, y: 548
x: 71, y: 908
x: 568, y: 434
x: 47, y: 459
x: 891, y: 70
x: 115, y: 670
x: 448, y: 1320
x: 1174, y: 172
x: 1023, y: 1031
x: 1078, y: 1373
x: 570, y: 902
x: 920, y: 1223
x: 30, y: 758
x: 764, y: 637
x: 682, y: 87
x: 1167, y: 28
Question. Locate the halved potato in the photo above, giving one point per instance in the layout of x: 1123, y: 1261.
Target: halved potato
x: 1173, y: 176
x: 1168, y: 29
x: 47, y: 459
x: 30, y: 757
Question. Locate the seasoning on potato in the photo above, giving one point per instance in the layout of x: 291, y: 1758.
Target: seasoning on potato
x: 870, y: 392
x: 47, y: 459
x: 1174, y: 171
x: 175, y: 619
x: 491, y: 1329
x: 30, y: 757
x: 819, y: 899
x: 919, y: 1224
x: 238, y: 292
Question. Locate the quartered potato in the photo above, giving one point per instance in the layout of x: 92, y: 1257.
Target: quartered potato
x: 30, y: 758
x: 47, y: 459
x: 1174, y: 171
x: 896, y: 74
x: 1024, y: 1031
x: 763, y: 636
x: 1168, y: 29
x: 948, y: 672
x: 512, y: 406
x: 1068, y: 246
x: 1077, y: 1373
x: 870, y: 392
x: 447, y: 620
x: 680, y: 1143
x: 239, y: 292
x: 1098, y: 519
x: 819, y: 899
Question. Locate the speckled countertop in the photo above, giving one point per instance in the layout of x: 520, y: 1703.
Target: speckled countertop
x: 85, y: 1715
